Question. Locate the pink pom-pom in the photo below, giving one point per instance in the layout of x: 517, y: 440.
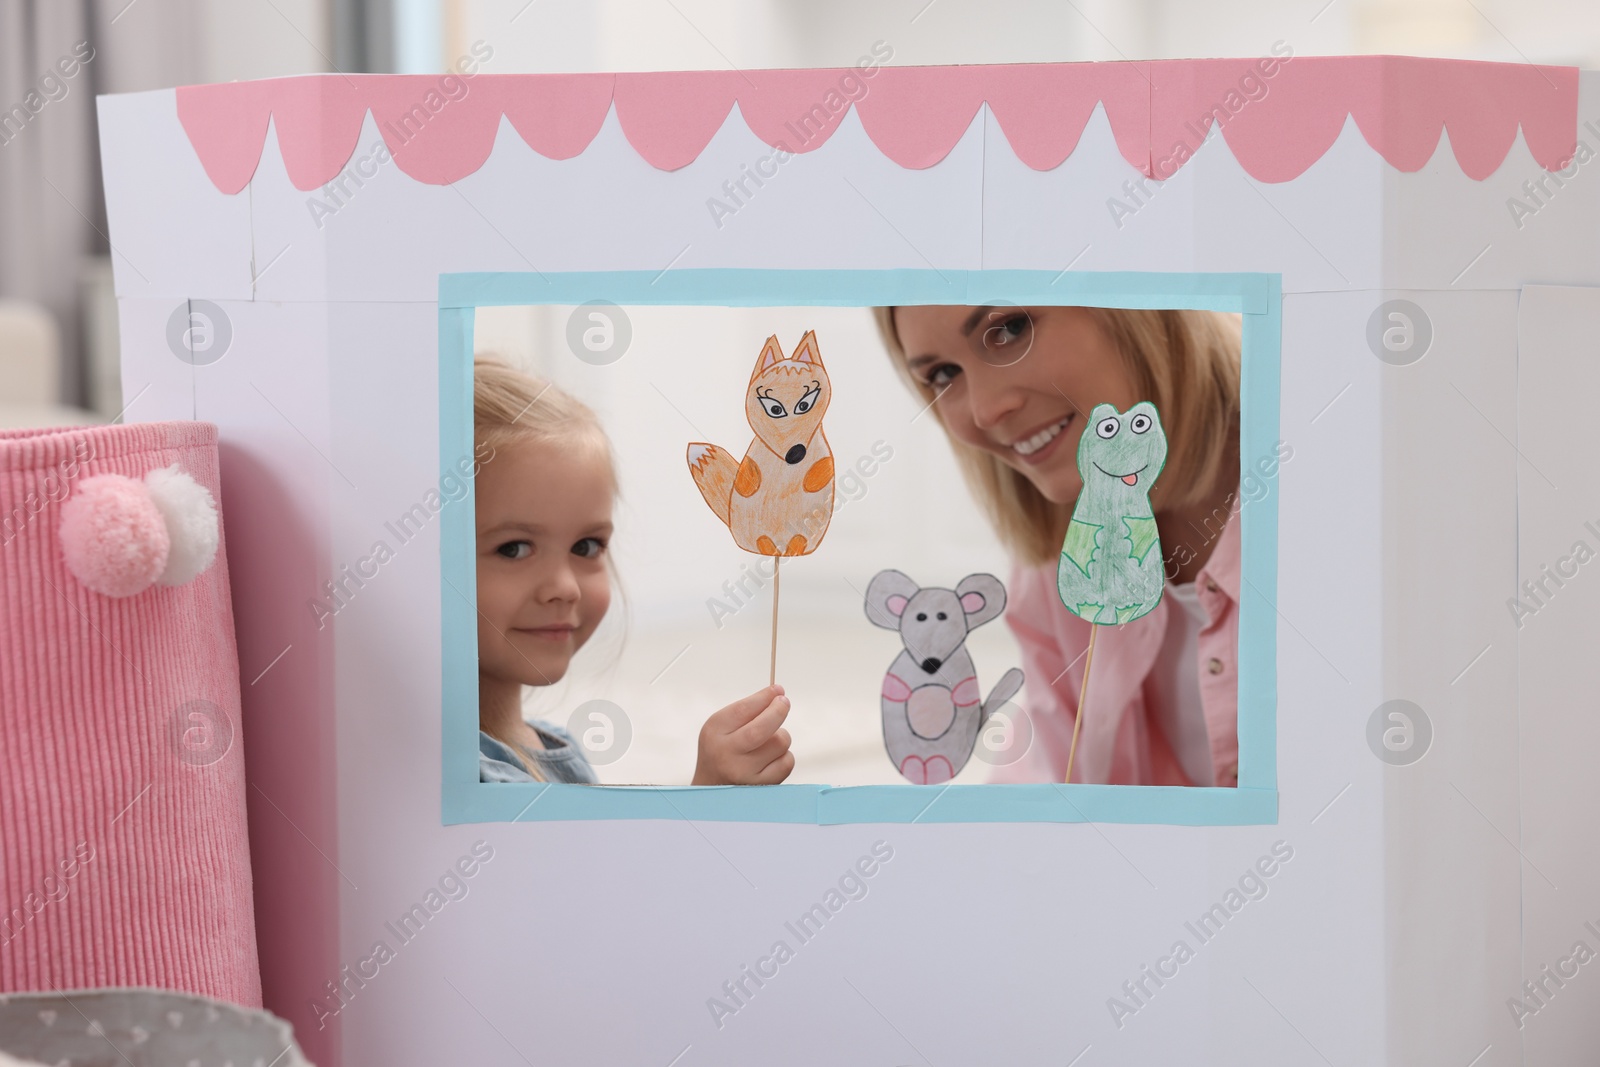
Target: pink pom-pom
x: 113, y: 536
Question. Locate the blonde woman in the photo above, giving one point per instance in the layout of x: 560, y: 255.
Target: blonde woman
x: 1012, y: 388
x: 543, y: 497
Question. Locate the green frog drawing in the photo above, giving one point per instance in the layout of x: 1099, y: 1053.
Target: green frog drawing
x: 1111, y: 569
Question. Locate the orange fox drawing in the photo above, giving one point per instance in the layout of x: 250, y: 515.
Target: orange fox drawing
x: 779, y: 500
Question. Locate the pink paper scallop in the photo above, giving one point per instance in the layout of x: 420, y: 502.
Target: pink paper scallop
x: 915, y: 115
x: 1044, y: 137
x: 556, y: 115
x: 318, y: 121
x: 669, y: 118
x: 798, y: 110
x: 435, y: 139
x: 227, y: 126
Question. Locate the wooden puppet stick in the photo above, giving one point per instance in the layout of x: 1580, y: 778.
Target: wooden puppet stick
x: 1083, y: 691
x: 772, y: 674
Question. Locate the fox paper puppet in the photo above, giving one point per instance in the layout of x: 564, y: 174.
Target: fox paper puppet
x: 1111, y: 569
x: 778, y: 500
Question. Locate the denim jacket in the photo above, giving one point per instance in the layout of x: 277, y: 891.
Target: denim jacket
x: 561, y: 759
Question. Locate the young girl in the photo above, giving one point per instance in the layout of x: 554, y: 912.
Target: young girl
x: 543, y: 498
x: 1012, y: 388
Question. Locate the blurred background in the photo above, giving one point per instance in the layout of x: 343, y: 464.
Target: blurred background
x: 58, y: 351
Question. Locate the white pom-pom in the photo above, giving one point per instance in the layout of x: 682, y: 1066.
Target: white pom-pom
x: 191, y: 517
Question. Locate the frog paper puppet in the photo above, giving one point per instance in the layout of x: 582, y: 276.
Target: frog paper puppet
x: 1111, y: 568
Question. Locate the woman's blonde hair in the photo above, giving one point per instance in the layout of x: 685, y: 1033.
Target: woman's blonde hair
x: 509, y: 405
x: 1186, y: 362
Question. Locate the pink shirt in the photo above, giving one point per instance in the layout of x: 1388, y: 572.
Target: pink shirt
x: 1121, y: 742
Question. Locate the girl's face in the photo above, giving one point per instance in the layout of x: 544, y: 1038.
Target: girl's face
x: 544, y: 521
x: 1017, y: 382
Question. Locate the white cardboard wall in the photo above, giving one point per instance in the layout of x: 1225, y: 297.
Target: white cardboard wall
x: 1557, y: 669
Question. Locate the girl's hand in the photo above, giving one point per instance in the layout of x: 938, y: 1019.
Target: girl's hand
x: 745, y: 744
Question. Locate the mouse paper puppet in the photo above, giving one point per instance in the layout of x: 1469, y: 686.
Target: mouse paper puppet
x: 1111, y: 570
x: 931, y: 701
x: 778, y: 500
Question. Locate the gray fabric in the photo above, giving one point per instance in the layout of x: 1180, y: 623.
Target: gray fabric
x: 561, y: 760
x: 163, y: 1025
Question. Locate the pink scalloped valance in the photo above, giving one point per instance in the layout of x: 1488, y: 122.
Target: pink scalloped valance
x: 1278, y: 115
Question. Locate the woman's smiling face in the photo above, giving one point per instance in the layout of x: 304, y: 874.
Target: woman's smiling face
x: 1017, y: 382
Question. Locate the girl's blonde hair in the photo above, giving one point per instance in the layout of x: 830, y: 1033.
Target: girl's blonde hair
x: 512, y: 405
x: 1186, y: 362
x: 509, y: 405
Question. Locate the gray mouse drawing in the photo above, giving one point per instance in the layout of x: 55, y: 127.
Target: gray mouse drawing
x: 931, y: 709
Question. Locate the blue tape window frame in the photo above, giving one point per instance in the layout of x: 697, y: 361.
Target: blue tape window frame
x: 1256, y: 297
